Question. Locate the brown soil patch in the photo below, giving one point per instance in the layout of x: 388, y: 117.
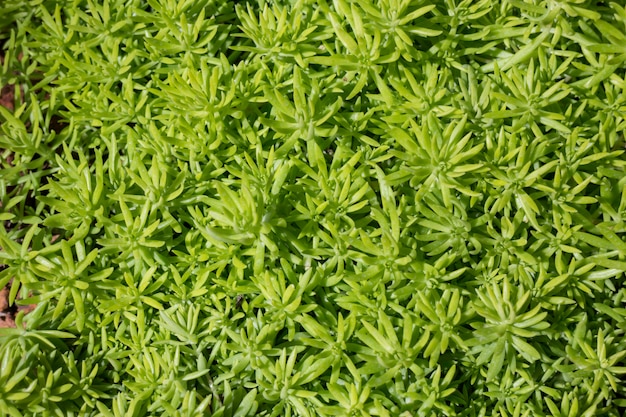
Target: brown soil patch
x: 9, y: 311
x: 7, y: 96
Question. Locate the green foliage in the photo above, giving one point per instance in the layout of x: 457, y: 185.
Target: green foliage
x: 299, y: 208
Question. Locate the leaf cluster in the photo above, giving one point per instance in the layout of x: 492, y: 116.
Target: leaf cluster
x: 298, y: 208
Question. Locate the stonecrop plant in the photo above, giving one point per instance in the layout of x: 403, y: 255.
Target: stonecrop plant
x: 313, y: 208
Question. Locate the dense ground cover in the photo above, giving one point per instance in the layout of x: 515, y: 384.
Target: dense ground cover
x: 333, y: 208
